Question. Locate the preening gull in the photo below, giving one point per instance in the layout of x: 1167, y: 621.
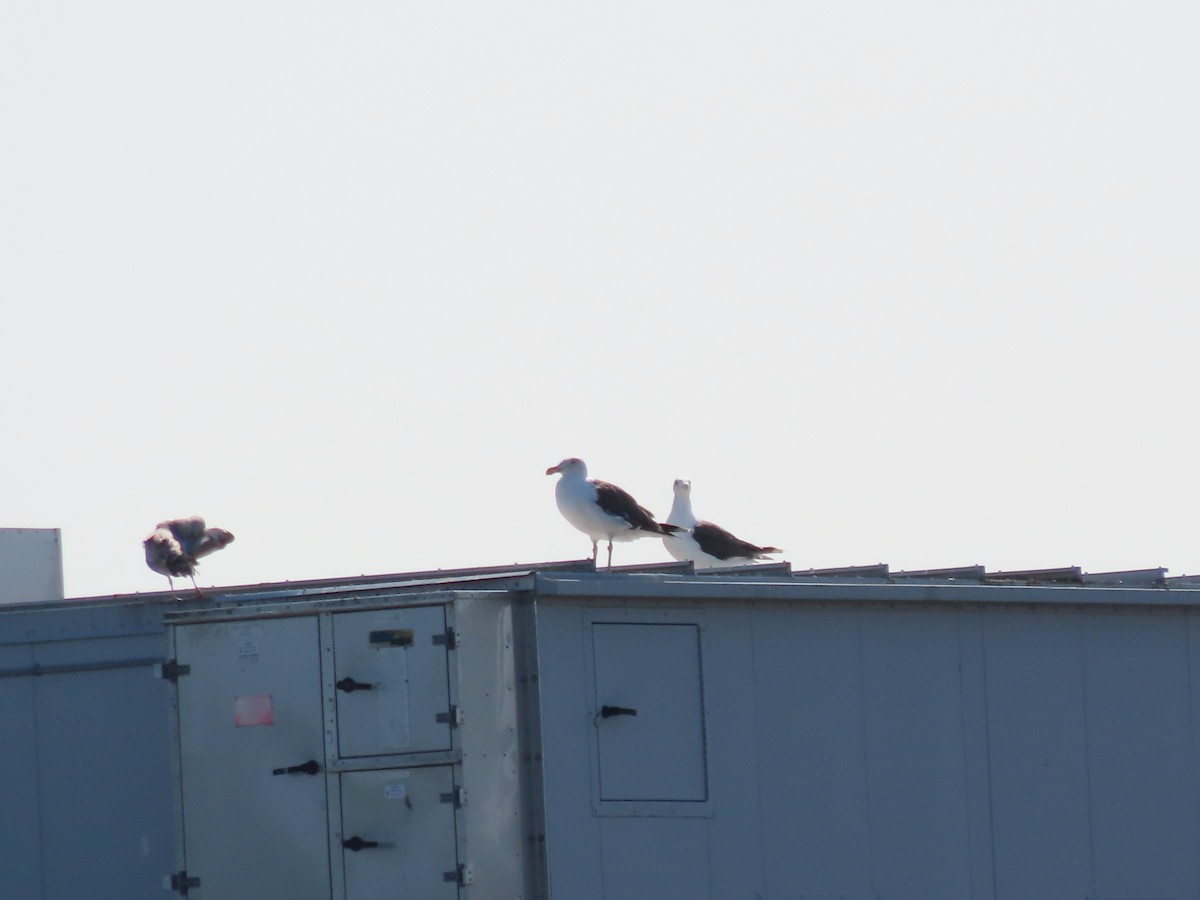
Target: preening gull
x: 706, y: 544
x: 175, y: 545
x: 601, y: 510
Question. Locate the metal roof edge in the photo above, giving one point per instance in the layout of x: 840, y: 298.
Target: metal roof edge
x: 311, y: 587
x: 629, y: 587
x: 1136, y: 587
x: 969, y: 573
x: 302, y: 606
x: 355, y: 587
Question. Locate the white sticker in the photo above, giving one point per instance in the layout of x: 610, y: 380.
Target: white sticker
x: 247, y: 640
x: 395, y: 791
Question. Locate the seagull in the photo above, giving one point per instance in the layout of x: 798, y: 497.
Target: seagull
x: 705, y: 544
x: 174, y: 546
x: 601, y: 510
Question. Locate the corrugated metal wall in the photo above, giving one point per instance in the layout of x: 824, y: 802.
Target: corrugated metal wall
x: 863, y: 751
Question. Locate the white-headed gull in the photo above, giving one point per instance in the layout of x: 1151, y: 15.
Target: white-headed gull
x: 706, y: 544
x: 601, y: 510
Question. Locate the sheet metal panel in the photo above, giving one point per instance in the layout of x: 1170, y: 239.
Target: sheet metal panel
x: 499, y: 822
x: 86, y: 794
x: 975, y: 745
x: 392, y: 651
x: 924, y: 752
x: 915, y: 756
x: 736, y: 827
x: 251, y: 704
x: 402, y: 811
x: 566, y: 712
x: 632, y: 851
x: 1144, y: 822
x: 21, y: 861
x: 654, y: 751
x: 386, y: 782
x: 102, y: 814
x: 810, y: 780
x: 1038, y: 755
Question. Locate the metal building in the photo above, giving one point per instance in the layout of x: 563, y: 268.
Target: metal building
x: 553, y: 731
x: 30, y: 564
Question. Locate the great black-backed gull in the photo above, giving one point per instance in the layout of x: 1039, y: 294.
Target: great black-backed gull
x: 706, y: 544
x: 601, y: 510
x: 175, y: 545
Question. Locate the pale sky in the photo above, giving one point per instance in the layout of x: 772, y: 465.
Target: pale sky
x: 907, y: 283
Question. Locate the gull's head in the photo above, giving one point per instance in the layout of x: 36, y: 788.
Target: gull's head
x: 682, y: 487
x: 571, y: 466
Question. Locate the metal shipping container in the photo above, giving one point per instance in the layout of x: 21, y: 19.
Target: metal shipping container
x: 554, y: 731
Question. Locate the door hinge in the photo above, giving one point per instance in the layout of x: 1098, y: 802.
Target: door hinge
x: 454, y: 718
x: 463, y: 875
x: 171, y: 670
x: 449, y: 638
x: 458, y: 797
x: 180, y: 882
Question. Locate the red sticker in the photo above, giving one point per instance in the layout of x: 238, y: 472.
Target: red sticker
x: 254, y: 709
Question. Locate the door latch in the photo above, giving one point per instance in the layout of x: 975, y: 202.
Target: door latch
x: 312, y: 767
x: 607, y: 712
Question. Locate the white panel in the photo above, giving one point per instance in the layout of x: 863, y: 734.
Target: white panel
x: 494, y: 825
x: 656, y: 754
x: 402, y: 811
x: 912, y: 702
x: 813, y: 792
x: 30, y: 565
x: 392, y: 651
x: 1144, y: 821
x: 1038, y: 755
x: 247, y: 832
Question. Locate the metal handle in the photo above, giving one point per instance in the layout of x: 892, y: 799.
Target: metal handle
x: 349, y: 685
x: 312, y: 767
x: 356, y: 843
x: 607, y: 712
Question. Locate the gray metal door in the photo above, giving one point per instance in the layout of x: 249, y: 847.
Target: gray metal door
x: 650, y: 712
x: 392, y: 682
x: 250, y: 705
x: 398, y: 833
